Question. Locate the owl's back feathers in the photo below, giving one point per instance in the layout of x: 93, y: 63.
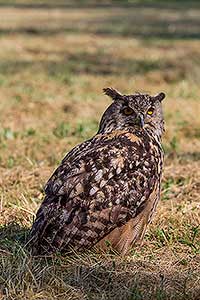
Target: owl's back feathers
x: 100, y: 185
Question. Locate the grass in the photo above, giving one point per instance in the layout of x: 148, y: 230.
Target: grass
x: 53, y: 66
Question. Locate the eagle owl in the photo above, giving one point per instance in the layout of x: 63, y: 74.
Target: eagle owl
x: 107, y: 188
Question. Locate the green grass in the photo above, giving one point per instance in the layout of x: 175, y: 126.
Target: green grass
x: 53, y: 66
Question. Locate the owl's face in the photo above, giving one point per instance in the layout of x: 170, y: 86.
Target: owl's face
x: 138, y: 111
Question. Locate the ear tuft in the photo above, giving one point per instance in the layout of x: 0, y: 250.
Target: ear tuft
x: 160, y: 96
x: 114, y: 94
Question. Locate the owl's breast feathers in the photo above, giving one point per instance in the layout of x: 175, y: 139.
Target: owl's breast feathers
x: 100, y: 185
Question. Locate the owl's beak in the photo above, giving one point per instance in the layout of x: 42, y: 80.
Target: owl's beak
x: 141, y: 120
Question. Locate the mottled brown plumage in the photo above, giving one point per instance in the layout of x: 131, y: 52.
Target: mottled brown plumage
x: 106, y: 188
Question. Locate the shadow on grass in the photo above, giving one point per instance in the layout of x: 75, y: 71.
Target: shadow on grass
x: 89, y: 274
x: 146, y: 30
x: 99, y: 64
x: 136, y: 280
x: 50, y: 4
x: 142, y: 20
x: 12, y: 236
x: 189, y: 156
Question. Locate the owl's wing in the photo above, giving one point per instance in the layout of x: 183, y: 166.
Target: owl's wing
x: 98, y: 187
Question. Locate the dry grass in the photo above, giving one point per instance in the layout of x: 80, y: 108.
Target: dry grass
x: 53, y: 66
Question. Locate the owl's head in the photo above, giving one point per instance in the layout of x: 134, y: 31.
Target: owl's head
x: 137, y: 111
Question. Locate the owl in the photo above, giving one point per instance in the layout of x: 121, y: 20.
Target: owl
x: 106, y: 189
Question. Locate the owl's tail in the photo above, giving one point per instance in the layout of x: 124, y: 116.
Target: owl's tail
x: 132, y: 233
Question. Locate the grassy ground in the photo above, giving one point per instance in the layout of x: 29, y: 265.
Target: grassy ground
x: 53, y: 66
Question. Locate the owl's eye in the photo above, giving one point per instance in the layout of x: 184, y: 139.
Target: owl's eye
x: 127, y: 111
x: 150, y: 111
